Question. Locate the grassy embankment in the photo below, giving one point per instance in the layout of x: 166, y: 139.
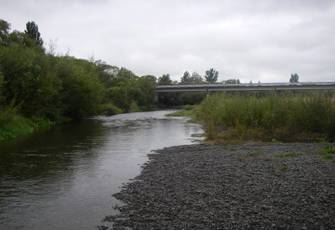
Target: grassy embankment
x: 13, y: 125
x: 269, y: 117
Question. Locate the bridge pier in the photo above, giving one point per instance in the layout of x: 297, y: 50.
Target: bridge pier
x: 156, y: 98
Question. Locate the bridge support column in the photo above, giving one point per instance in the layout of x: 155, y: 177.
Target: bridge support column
x: 156, y: 98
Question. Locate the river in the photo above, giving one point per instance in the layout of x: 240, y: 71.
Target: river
x: 64, y: 178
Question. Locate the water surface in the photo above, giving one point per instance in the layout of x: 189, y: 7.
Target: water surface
x: 64, y: 178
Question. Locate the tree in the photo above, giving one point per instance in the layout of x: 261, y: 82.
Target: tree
x: 165, y: 80
x: 294, y: 78
x: 211, y: 75
x: 232, y: 81
x: 185, y: 79
x: 4, y: 32
x: 81, y: 90
x: 196, y: 78
x: 33, y: 33
x: 147, y: 85
x: 125, y: 74
x: 1, y: 89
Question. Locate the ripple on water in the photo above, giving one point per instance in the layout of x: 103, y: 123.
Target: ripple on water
x: 64, y: 178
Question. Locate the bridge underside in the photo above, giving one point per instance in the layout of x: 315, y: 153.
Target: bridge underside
x: 245, y: 87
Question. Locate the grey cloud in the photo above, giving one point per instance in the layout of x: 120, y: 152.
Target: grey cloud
x: 254, y: 40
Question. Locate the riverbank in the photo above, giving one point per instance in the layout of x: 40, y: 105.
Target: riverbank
x: 18, y: 126
x: 277, y: 116
x: 250, y: 186
x: 70, y: 171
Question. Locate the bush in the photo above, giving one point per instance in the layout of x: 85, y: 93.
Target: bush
x: 134, y: 107
x: 109, y: 109
x: 18, y: 126
x: 287, y: 117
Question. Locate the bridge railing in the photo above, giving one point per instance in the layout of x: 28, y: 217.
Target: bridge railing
x: 246, y: 87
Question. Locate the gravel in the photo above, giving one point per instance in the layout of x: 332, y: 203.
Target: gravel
x: 249, y: 186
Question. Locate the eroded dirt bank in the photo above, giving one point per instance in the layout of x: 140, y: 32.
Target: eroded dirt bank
x: 251, y: 186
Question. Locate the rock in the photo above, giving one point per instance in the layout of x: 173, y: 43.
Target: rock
x: 210, y: 187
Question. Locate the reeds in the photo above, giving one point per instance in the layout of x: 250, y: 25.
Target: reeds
x: 275, y: 116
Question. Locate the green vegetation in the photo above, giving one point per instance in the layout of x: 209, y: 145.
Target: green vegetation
x: 253, y: 154
x: 37, y: 85
x: 109, y: 109
x: 38, y: 89
x: 13, y: 125
x: 288, y: 154
x: 188, y: 79
x: 181, y: 113
x: 328, y: 153
x: 284, y: 168
x: 211, y: 76
x: 187, y: 111
x: 294, y: 78
x: 279, y: 116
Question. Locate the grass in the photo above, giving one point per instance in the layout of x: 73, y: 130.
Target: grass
x: 288, y: 154
x: 13, y: 125
x: 276, y: 116
x: 253, y: 154
x: 181, y: 113
x: 328, y: 153
x: 283, y: 168
x: 187, y: 111
x: 109, y: 109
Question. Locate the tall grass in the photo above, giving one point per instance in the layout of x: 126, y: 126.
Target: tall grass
x: 13, y: 125
x: 287, y: 117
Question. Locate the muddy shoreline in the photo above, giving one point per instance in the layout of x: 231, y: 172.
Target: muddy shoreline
x: 250, y: 186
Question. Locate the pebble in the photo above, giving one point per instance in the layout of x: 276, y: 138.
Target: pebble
x: 226, y: 187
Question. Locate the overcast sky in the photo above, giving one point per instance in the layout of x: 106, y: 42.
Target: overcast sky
x: 264, y: 40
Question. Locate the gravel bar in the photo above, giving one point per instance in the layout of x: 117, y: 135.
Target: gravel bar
x: 248, y: 186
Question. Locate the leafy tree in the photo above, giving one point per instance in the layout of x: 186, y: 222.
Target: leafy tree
x: 4, y: 32
x: 1, y: 89
x: 165, y: 80
x: 82, y: 91
x: 30, y: 81
x: 20, y: 73
x: 211, y: 75
x: 146, y: 85
x: 39, y: 85
x: 134, y: 107
x: 185, y: 79
x: 33, y: 33
x: 232, y: 81
x: 196, y: 78
x: 125, y: 74
x: 294, y: 78
x: 107, y: 73
x: 22, y: 39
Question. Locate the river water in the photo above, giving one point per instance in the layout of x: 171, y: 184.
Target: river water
x: 64, y: 178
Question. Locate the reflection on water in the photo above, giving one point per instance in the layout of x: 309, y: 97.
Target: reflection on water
x: 64, y: 178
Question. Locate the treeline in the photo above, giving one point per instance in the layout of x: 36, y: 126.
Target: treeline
x: 189, y: 98
x: 40, y: 84
x: 37, y: 86
x: 35, y: 83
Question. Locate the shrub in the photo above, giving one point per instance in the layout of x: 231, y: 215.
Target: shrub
x: 109, y: 109
x: 287, y: 117
x: 134, y: 107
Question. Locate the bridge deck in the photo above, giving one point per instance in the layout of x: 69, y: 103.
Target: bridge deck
x: 246, y: 87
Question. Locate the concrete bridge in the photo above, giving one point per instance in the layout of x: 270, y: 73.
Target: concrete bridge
x: 246, y: 87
